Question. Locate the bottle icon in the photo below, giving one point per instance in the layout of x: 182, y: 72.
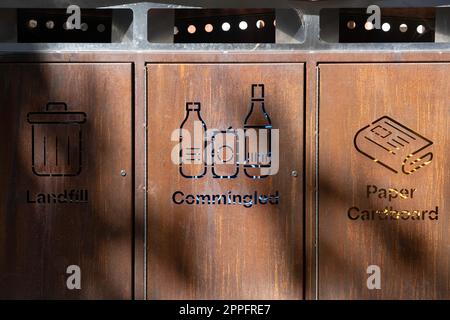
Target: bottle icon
x: 192, y: 143
x: 257, y: 128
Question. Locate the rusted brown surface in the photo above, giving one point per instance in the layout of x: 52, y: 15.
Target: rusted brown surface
x: 311, y: 59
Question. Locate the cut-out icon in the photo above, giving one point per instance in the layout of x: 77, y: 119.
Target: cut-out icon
x: 57, y: 139
x: 394, y: 146
x: 258, y: 148
x: 193, y: 143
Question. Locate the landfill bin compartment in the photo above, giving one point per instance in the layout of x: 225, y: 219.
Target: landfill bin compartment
x: 66, y: 133
x: 383, y: 181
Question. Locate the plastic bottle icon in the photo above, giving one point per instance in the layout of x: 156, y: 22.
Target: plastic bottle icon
x: 192, y: 143
x: 257, y: 127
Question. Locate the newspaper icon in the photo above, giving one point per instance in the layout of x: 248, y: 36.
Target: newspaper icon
x: 394, y: 146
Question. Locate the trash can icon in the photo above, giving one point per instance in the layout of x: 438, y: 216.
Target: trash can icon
x: 57, y: 140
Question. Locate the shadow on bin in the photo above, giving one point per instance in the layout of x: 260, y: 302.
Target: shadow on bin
x: 57, y: 140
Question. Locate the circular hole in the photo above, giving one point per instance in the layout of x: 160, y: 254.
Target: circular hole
x: 209, y: 28
x: 32, y: 24
x: 191, y: 29
x: 368, y: 26
x: 101, y: 28
x: 175, y: 30
x: 243, y: 25
x: 226, y: 26
x: 386, y: 27
x: 421, y: 29
x: 50, y: 24
x: 403, y: 27
x: 225, y: 154
x: 84, y: 26
x: 351, y: 24
x: 260, y: 24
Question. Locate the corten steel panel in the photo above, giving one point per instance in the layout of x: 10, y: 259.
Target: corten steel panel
x: 383, y: 148
x: 217, y: 251
x: 87, y: 107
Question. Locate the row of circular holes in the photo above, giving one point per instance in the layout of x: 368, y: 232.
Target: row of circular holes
x: 33, y: 24
x: 226, y: 26
x: 260, y: 24
x: 385, y: 27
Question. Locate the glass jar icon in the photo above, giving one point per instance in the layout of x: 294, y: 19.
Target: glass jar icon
x: 57, y: 140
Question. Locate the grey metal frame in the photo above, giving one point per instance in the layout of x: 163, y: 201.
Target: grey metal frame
x: 304, y: 36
